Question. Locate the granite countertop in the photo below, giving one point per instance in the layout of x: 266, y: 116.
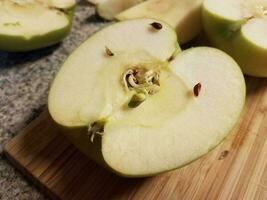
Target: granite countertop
x: 24, y: 82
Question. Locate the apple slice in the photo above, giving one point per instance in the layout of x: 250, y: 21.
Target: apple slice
x: 33, y: 24
x: 183, y: 15
x: 239, y: 28
x: 108, y: 9
x: 125, y: 104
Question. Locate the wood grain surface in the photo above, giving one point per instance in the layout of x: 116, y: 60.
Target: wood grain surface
x: 236, y: 169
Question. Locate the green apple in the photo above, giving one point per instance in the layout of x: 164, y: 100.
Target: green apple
x: 134, y: 105
x: 32, y: 24
x: 183, y: 15
x: 239, y: 28
x: 108, y: 9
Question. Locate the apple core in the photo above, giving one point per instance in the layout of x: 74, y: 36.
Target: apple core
x: 143, y: 81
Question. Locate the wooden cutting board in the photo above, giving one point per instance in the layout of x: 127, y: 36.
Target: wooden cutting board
x: 237, y: 169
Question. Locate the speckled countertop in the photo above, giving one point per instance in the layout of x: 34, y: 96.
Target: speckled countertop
x: 24, y: 82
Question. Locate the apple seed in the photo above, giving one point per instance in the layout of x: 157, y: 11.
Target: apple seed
x: 109, y: 52
x: 156, y: 25
x: 197, y: 89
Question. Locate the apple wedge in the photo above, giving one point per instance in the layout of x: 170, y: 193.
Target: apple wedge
x: 134, y: 105
x: 183, y: 15
x: 239, y: 28
x: 33, y: 24
x: 108, y: 9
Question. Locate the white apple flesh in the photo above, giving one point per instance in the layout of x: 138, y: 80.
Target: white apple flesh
x: 183, y: 15
x: 31, y: 24
x: 108, y: 9
x: 124, y: 104
x: 239, y: 28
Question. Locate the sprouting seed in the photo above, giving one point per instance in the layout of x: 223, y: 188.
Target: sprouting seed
x: 137, y: 99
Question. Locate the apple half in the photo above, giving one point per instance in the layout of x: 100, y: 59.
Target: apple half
x: 183, y: 15
x: 32, y: 24
x: 239, y: 28
x: 134, y: 105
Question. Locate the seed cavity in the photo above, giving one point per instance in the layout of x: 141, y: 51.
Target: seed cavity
x: 197, y: 89
x: 143, y: 81
x: 109, y: 52
x: 141, y: 78
x: 96, y: 128
x: 156, y: 25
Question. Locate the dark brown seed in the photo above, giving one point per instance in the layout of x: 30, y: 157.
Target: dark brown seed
x: 156, y: 25
x: 197, y: 89
x: 109, y: 52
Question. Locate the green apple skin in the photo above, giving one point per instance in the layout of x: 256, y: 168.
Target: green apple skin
x: 226, y: 35
x: 21, y: 44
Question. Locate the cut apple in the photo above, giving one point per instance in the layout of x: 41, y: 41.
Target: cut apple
x: 125, y: 104
x: 239, y: 28
x: 183, y: 15
x: 32, y: 24
x: 108, y: 9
